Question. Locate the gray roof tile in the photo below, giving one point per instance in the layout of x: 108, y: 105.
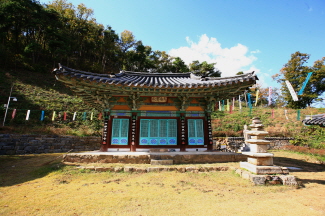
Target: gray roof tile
x: 315, y: 120
x: 173, y: 80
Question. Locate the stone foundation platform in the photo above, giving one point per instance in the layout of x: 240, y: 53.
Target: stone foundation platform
x: 146, y: 157
x: 269, y: 179
x: 269, y: 170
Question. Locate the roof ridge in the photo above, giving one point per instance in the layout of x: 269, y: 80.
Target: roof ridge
x: 188, y: 74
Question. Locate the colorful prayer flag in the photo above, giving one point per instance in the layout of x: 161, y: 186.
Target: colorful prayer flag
x: 53, y: 116
x: 84, y: 116
x: 65, y: 116
x: 91, y: 116
x: 249, y: 100
x: 27, y: 115
x: 272, y: 113
x: 305, y: 83
x: 270, y: 96
x: 292, y: 91
x: 257, y: 92
x: 285, y: 113
x: 13, y: 113
x: 74, y: 116
x: 42, y: 115
x: 100, y: 116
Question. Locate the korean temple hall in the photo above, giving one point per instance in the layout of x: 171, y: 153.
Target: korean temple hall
x: 154, y: 110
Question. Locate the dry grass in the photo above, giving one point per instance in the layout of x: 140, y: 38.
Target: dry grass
x: 31, y: 186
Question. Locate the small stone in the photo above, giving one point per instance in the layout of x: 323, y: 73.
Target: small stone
x: 289, y: 180
x: 118, y: 169
x: 190, y: 169
x: 140, y: 170
x: 245, y: 175
x: 258, y: 179
x: 181, y: 169
x: 153, y: 169
x: 239, y: 171
x: 128, y: 169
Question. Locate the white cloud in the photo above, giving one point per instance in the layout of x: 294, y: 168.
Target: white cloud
x: 255, y: 51
x: 229, y: 60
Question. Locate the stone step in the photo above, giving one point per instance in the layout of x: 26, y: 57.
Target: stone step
x: 161, y: 162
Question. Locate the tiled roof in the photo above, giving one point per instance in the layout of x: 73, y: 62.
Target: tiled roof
x: 157, y: 80
x: 315, y: 120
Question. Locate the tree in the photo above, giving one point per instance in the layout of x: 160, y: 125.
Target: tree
x: 204, y: 69
x: 295, y: 71
x: 179, y: 65
x: 240, y: 73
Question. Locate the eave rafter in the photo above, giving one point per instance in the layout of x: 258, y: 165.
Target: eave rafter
x: 100, y: 89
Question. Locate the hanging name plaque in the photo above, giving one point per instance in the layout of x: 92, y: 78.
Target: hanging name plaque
x: 158, y: 99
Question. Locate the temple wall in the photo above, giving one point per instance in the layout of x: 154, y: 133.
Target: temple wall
x: 11, y: 144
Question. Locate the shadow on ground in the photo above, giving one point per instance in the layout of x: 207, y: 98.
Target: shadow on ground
x: 304, y: 165
x: 17, y: 169
x: 305, y: 181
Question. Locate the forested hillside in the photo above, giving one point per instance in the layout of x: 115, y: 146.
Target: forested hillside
x: 38, y: 37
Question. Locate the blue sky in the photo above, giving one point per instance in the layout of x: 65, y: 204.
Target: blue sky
x: 240, y: 35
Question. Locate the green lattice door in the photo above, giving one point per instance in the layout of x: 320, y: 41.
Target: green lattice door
x: 195, y: 132
x: 158, y: 132
x: 120, y: 131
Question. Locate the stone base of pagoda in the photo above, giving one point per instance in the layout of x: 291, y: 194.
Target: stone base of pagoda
x: 269, y: 170
x: 259, y: 159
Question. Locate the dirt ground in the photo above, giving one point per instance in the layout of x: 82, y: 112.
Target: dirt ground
x: 42, y: 185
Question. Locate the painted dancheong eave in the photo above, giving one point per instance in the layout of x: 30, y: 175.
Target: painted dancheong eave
x: 93, y: 87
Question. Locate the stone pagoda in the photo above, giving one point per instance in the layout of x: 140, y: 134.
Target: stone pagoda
x: 259, y: 161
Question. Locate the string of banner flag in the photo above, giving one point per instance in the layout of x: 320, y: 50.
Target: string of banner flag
x: 224, y: 105
x: 229, y: 106
x: 55, y: 114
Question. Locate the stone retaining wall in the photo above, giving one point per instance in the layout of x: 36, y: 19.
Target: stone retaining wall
x: 275, y: 142
x: 11, y: 144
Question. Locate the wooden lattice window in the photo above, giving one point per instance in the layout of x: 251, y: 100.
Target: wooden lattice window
x: 120, y: 131
x: 158, y: 132
x: 195, y: 132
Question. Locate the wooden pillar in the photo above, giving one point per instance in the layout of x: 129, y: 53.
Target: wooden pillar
x: 210, y: 139
x: 183, y: 133
x: 133, y: 132
x: 104, y: 144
